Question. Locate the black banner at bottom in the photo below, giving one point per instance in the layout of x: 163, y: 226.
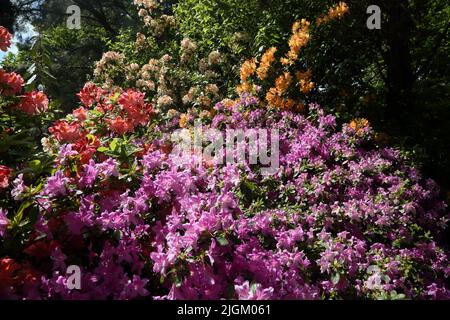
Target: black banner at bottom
x: 199, y: 310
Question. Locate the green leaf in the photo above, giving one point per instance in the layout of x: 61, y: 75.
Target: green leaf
x: 19, y: 215
x: 114, y: 144
x: 103, y: 149
x: 336, y: 278
x: 222, y: 241
x: 35, y: 166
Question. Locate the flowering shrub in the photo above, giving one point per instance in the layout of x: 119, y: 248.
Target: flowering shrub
x: 22, y: 114
x: 342, y: 216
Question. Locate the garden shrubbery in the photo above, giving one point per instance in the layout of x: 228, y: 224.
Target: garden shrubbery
x: 343, y: 217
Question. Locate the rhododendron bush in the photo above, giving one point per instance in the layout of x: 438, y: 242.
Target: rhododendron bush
x: 343, y: 216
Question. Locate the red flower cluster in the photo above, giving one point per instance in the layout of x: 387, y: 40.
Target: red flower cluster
x: 90, y: 94
x: 134, y: 112
x: 5, y: 175
x: 5, y: 39
x: 34, y: 102
x: 12, y: 274
x: 10, y: 83
x: 80, y: 114
x: 66, y: 132
x: 120, y: 125
x: 86, y: 147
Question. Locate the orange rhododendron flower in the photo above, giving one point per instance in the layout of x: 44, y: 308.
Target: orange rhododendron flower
x: 304, y: 81
x: 300, y: 38
x: 283, y: 82
x: 359, y: 125
x: 248, y: 69
x: 184, y: 120
x: 335, y: 12
x: 266, y: 60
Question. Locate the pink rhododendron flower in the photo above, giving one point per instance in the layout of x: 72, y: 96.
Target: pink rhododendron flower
x: 252, y: 292
x: 19, y: 187
x: 4, y: 222
x: 56, y: 185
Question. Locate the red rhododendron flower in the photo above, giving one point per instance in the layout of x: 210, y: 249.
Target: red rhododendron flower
x: 80, y: 114
x: 5, y: 174
x: 134, y: 104
x: 121, y: 126
x: 90, y: 93
x: 131, y: 100
x: 5, y: 39
x: 65, y: 132
x: 142, y: 116
x: 29, y: 276
x: 41, y: 249
x: 34, y: 102
x: 86, y: 147
x: 8, y: 269
x: 10, y: 83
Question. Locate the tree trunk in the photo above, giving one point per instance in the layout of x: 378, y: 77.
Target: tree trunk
x: 400, y: 76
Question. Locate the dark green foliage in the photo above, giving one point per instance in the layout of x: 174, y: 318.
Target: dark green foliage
x: 397, y: 77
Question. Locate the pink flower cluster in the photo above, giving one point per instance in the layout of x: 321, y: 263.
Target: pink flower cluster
x: 341, y: 218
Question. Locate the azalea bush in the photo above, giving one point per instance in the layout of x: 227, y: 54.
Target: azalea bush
x: 343, y: 217
x: 24, y: 115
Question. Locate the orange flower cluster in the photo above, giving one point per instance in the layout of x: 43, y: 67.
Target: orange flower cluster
x: 304, y: 81
x: 335, y: 12
x: 275, y: 95
x: 248, y: 69
x: 283, y: 82
x: 184, y: 120
x: 266, y: 60
x: 359, y: 125
x: 244, y: 87
x: 299, y: 39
